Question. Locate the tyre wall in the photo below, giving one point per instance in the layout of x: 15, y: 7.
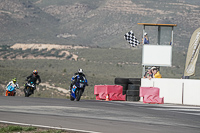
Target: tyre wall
x: 131, y: 87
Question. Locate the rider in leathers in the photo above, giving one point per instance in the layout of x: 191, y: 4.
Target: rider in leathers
x: 33, y: 78
x: 77, y: 75
x: 14, y: 84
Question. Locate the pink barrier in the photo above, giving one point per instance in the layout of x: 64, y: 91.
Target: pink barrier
x: 100, y: 92
x: 149, y: 91
x: 151, y: 95
x: 114, y: 92
x: 153, y: 99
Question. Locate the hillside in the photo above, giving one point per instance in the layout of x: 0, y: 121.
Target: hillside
x: 57, y: 37
x: 101, y: 66
x: 93, y: 23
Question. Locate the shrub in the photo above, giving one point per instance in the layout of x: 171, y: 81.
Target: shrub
x: 5, y: 57
x: 5, y: 47
x: 14, y: 56
x: 24, y: 55
x: 28, y: 50
x: 56, y: 53
x: 60, y: 56
x: 29, y: 128
x: 14, y: 128
x: 69, y: 56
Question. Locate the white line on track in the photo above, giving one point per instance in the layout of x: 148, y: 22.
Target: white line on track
x: 182, y: 111
x: 50, y: 127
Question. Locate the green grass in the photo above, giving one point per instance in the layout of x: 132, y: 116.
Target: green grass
x: 12, y: 128
x: 52, y: 131
x: 4, y: 128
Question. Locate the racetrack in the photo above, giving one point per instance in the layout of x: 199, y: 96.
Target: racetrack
x: 101, y: 116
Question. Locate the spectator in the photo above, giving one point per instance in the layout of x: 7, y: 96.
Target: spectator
x: 156, y: 73
x: 148, y: 73
x: 185, y: 77
x: 146, y: 39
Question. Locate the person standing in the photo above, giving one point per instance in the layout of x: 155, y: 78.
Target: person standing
x: 148, y: 73
x: 156, y: 73
x: 146, y: 39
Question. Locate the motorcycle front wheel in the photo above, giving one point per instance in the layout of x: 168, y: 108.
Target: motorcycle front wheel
x: 27, y: 91
x: 79, y: 94
x: 71, y: 98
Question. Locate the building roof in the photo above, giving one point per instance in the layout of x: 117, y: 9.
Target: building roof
x: 152, y: 24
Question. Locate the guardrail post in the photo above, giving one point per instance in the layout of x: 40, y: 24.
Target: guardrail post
x: 182, y: 92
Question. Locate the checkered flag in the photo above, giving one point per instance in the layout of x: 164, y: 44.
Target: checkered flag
x: 129, y: 37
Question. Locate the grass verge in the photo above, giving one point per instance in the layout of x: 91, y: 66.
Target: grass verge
x: 5, y: 128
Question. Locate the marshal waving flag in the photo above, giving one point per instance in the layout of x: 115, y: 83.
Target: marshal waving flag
x: 129, y: 37
x: 192, y: 54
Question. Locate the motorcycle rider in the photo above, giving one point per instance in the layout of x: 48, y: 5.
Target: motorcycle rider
x: 33, y: 78
x: 76, y: 76
x: 14, y: 84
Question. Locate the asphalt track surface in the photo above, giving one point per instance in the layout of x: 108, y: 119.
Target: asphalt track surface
x: 100, y: 116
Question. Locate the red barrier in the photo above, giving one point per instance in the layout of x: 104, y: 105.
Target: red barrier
x: 114, y: 92
x: 149, y: 91
x: 151, y: 95
x: 153, y: 99
x: 100, y: 92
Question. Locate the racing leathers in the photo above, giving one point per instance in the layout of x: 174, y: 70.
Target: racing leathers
x: 33, y: 78
x: 76, y: 77
x: 15, y: 85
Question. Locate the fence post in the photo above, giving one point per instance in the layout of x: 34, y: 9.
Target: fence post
x: 182, y: 92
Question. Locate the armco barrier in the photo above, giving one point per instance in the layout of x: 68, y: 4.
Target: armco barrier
x: 114, y: 92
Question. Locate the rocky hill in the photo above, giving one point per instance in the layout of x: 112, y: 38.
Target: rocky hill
x: 93, y: 23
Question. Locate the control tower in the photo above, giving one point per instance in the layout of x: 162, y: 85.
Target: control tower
x: 159, y: 50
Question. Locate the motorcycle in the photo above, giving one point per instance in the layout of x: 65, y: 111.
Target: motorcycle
x: 77, y: 89
x: 29, y: 88
x: 10, y: 91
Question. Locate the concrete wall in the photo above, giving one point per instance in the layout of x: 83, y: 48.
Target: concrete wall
x: 177, y: 91
x: 191, y: 92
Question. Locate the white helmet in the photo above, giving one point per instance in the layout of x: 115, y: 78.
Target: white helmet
x: 80, y: 70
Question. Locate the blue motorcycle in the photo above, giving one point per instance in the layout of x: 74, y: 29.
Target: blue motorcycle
x: 10, y: 91
x: 77, y: 89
